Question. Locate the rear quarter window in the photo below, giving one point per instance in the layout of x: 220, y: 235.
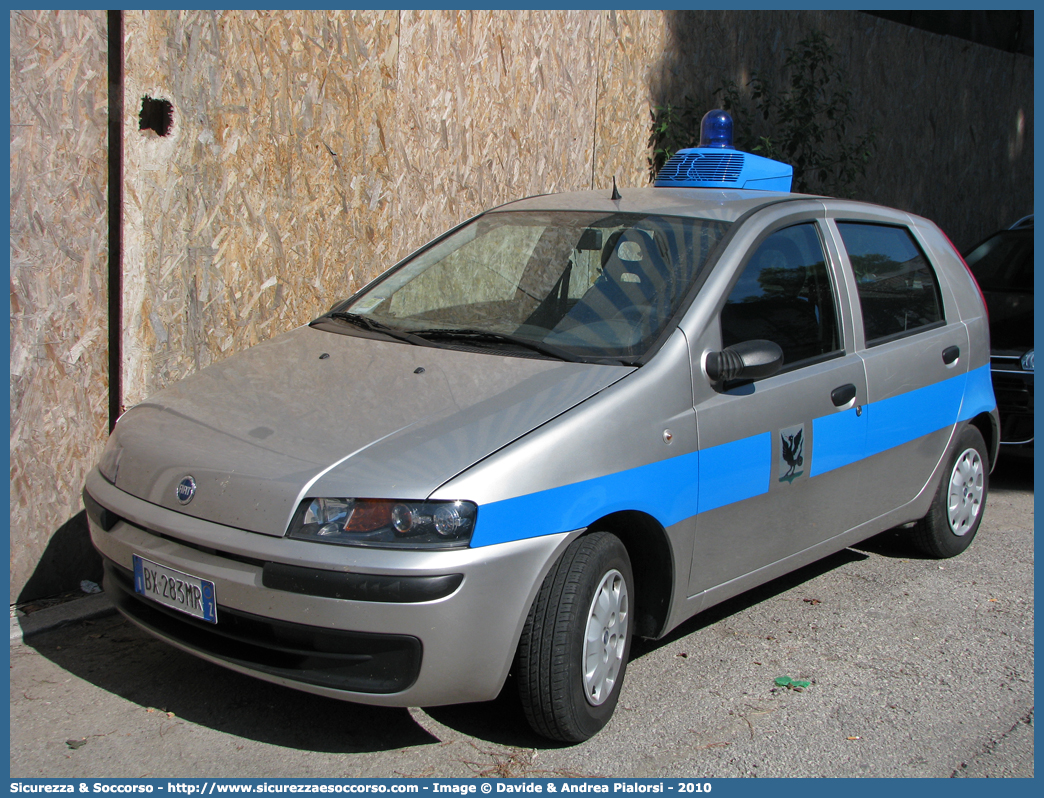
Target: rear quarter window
x: 898, y: 290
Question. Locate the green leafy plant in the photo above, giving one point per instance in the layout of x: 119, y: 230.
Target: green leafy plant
x: 672, y: 127
x: 809, y: 124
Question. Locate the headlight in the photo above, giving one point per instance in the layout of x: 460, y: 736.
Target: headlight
x: 1027, y: 361
x: 385, y: 523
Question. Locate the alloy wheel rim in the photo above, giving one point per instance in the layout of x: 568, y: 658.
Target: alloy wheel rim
x: 966, y: 491
x: 605, y: 637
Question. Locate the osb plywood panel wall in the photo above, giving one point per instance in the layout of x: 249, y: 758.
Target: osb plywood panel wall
x: 630, y: 54
x: 952, y: 117
x: 59, y: 329
x: 270, y: 195
x: 490, y: 106
x: 310, y: 151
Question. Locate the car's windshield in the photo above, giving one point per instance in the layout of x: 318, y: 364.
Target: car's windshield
x: 1004, y: 262
x: 577, y: 285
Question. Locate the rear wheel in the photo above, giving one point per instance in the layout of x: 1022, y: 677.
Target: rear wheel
x: 574, y: 647
x: 956, y: 511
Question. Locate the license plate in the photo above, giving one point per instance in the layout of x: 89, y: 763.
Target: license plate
x: 175, y: 589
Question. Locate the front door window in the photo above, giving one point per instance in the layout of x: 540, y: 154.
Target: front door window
x: 784, y: 296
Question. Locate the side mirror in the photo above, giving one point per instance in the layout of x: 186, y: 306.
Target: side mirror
x: 748, y: 360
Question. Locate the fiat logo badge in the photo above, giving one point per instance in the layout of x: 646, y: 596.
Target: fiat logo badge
x: 186, y: 490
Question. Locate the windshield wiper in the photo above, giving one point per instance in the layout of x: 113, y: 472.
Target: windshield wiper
x: 430, y: 337
x: 464, y: 334
x: 372, y: 325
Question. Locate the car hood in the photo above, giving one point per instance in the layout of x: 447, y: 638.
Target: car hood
x: 314, y: 413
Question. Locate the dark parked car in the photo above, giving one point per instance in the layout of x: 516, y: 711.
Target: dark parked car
x: 1003, y: 265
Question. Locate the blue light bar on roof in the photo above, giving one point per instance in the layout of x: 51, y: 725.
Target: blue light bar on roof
x: 715, y: 164
x: 716, y: 130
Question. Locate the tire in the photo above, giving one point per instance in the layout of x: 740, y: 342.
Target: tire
x: 591, y: 586
x: 956, y: 511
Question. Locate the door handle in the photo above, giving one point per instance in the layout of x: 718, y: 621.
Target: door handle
x: 842, y: 395
x: 950, y: 354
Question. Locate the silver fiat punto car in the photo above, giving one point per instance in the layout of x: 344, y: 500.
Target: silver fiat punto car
x: 571, y: 420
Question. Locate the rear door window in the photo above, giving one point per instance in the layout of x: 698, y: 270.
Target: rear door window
x: 898, y: 290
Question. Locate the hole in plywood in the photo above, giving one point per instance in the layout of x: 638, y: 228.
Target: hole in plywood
x: 157, y: 115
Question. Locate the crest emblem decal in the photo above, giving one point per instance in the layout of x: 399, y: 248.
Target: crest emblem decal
x: 186, y: 490
x: 792, y: 454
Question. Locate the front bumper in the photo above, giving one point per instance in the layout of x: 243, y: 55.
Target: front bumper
x: 398, y: 648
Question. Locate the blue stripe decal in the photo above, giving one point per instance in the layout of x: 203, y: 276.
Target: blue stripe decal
x: 735, y: 471
x: 978, y: 394
x: 911, y: 415
x: 669, y: 490
x: 666, y: 490
x: 844, y: 438
x: 838, y: 440
x: 672, y: 490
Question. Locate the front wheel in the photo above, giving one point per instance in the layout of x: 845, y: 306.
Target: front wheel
x: 574, y: 646
x: 956, y: 511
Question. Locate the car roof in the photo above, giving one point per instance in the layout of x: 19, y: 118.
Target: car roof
x: 700, y: 203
